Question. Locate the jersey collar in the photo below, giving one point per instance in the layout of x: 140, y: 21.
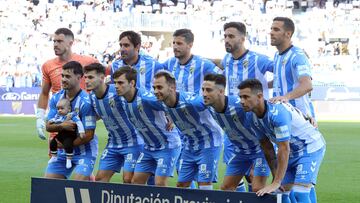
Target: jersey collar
x: 286, y: 50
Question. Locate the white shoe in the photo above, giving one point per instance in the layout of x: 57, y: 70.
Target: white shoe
x: 68, y: 163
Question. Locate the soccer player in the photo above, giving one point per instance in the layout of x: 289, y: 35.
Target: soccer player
x: 240, y: 64
x: 51, y: 71
x: 301, y: 147
x: 161, y: 147
x: 145, y: 65
x: 86, y: 148
x: 292, y: 74
x: 236, y: 124
x: 202, y: 135
x: 124, y: 145
x: 66, y: 138
x: 188, y: 69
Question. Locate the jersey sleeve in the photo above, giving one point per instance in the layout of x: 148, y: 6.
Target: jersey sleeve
x: 88, y: 116
x: 210, y: 67
x: 45, y: 75
x: 78, y: 122
x: 150, y: 101
x: 167, y: 65
x: 198, y: 102
x: 301, y: 65
x: 265, y: 64
x: 281, y: 120
x: 158, y: 66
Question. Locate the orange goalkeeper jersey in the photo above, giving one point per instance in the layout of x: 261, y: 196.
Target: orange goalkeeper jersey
x: 52, y: 69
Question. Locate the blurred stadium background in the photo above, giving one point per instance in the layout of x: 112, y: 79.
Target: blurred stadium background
x: 329, y: 32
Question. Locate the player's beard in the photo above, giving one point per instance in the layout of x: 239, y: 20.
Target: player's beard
x: 228, y: 48
x: 58, y: 52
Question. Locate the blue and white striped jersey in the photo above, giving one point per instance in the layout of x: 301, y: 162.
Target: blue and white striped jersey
x: 288, y: 68
x: 195, y: 122
x: 237, y: 126
x: 282, y: 122
x: 110, y: 109
x: 73, y: 116
x: 189, y: 76
x: 250, y: 65
x: 146, y: 67
x: 81, y: 105
x: 148, y: 117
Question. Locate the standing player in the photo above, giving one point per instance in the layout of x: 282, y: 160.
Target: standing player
x: 146, y: 66
x: 188, y: 69
x: 51, y: 71
x: 301, y: 146
x: 240, y: 64
x: 161, y: 147
x: 236, y: 124
x: 292, y: 74
x: 86, y: 148
x: 124, y: 145
x: 202, y: 136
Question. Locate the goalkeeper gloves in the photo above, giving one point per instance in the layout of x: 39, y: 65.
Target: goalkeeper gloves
x: 40, y: 123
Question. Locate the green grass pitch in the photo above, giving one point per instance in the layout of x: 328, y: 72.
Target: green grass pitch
x: 23, y: 155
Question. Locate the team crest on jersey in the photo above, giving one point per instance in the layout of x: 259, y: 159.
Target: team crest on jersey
x: 140, y: 108
x: 234, y: 117
x: 192, y: 70
x: 245, y: 64
x: 185, y: 112
x: 284, y: 62
x: 142, y: 70
x: 112, y: 102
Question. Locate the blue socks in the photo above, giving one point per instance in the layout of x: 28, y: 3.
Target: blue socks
x: 313, y: 195
x: 151, y: 180
x: 301, y: 194
x: 249, y: 187
x: 192, y: 185
x: 285, y: 198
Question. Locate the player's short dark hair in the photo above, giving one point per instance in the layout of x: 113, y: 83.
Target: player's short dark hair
x: 133, y: 37
x: 254, y: 84
x: 288, y: 24
x: 217, y: 78
x: 130, y: 73
x: 98, y: 67
x: 186, y: 33
x: 65, y: 31
x: 169, y: 77
x: 237, y: 25
x: 75, y: 66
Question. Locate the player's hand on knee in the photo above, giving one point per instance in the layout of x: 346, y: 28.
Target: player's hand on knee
x: 40, y: 123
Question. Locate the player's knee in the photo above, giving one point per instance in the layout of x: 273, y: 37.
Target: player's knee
x: 162, y: 183
x: 136, y: 180
x: 127, y: 179
x: 255, y: 188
